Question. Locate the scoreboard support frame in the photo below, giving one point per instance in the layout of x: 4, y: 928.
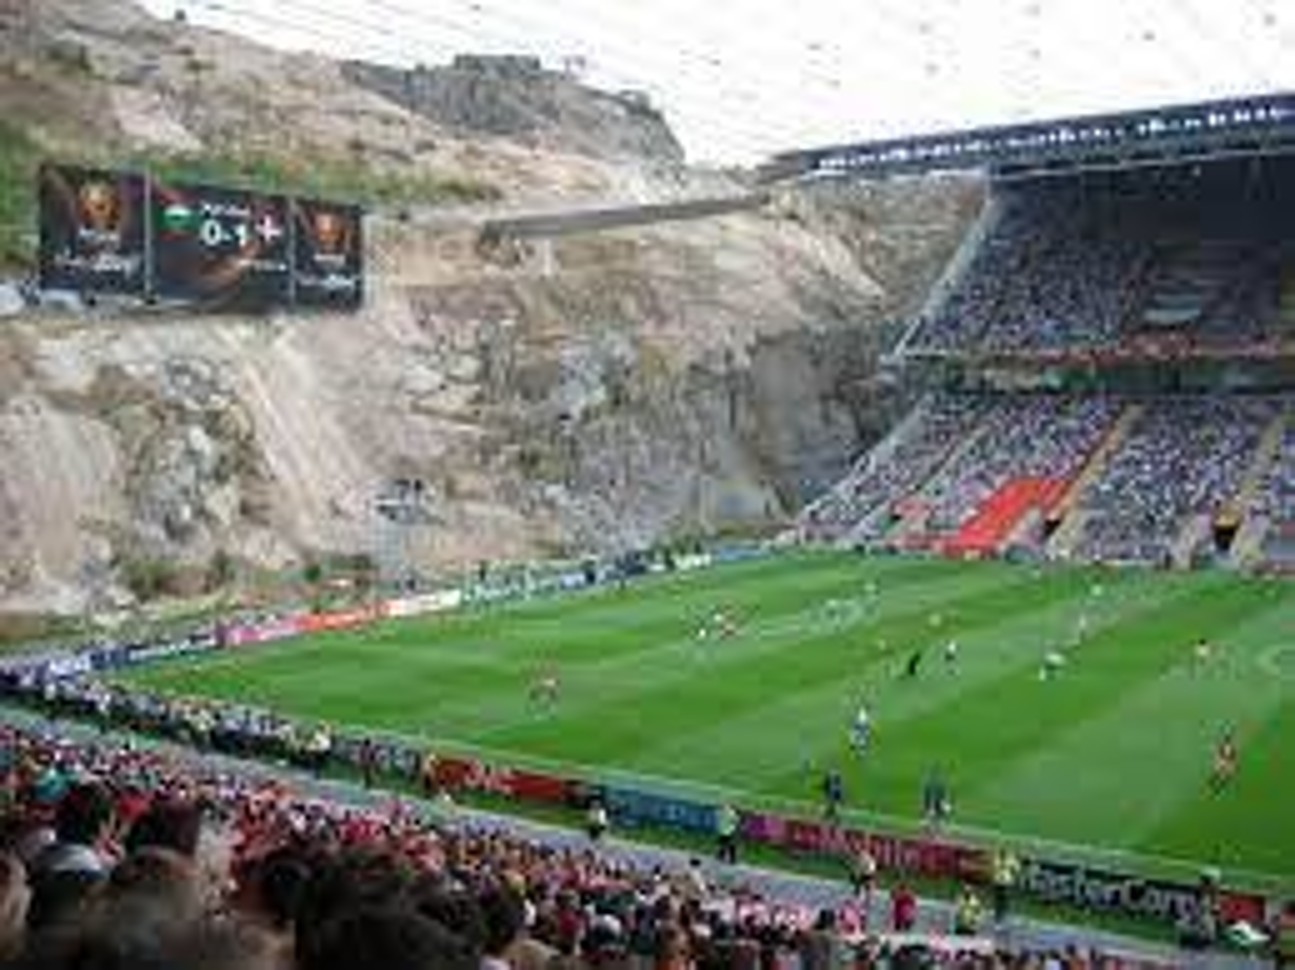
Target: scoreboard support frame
x: 150, y: 286
x: 291, y: 232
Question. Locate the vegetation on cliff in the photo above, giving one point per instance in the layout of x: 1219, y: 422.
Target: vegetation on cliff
x: 342, y: 179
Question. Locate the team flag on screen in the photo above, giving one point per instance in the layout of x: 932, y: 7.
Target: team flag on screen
x: 178, y: 217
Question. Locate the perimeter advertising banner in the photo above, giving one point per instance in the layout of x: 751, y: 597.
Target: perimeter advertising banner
x: 1101, y: 889
x: 222, y: 249
x: 92, y: 225
x: 628, y: 806
x: 472, y: 775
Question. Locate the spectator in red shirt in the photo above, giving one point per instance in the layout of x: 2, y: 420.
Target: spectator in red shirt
x: 903, y: 908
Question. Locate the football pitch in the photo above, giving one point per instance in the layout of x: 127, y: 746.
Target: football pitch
x: 1112, y: 754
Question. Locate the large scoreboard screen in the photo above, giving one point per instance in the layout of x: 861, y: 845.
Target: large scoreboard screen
x: 208, y: 246
x: 220, y: 248
x: 92, y: 230
x: 328, y: 251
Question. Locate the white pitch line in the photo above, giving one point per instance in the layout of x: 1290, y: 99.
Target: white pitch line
x: 1268, y: 659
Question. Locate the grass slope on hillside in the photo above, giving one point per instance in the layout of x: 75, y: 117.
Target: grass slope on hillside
x: 1114, y: 753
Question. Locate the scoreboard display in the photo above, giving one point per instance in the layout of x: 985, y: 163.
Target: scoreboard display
x: 92, y: 230
x: 328, y: 250
x: 207, y: 246
x: 220, y: 248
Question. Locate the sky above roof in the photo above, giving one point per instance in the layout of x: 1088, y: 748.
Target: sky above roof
x: 741, y: 79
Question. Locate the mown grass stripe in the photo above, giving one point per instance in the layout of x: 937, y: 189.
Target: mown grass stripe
x: 763, y: 714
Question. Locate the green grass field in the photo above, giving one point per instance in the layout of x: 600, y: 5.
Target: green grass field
x: 1110, y: 760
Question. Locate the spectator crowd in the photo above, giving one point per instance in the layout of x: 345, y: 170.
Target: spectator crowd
x: 1038, y: 436
x: 1160, y: 261
x: 1276, y: 501
x: 113, y: 856
x: 1184, y: 457
x: 891, y: 472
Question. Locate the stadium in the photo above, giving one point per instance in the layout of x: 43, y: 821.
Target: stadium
x: 447, y: 526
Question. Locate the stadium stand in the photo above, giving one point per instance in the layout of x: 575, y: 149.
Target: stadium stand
x: 1181, y: 259
x: 1150, y: 315
x: 141, y: 858
x: 965, y: 474
x: 863, y: 501
x: 1133, y: 476
x: 1044, y: 279
x: 1186, y: 457
x: 1275, y: 503
x: 1027, y: 452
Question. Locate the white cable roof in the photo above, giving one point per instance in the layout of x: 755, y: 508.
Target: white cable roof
x: 742, y: 79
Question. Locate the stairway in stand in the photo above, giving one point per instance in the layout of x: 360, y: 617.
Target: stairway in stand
x: 998, y: 516
x: 1067, y: 510
x: 1253, y: 529
x: 910, y: 532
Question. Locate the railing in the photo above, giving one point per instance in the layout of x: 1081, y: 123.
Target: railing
x: 986, y: 221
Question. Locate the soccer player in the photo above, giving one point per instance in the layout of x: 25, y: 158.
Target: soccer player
x: 914, y: 665
x: 836, y: 611
x: 1081, y: 628
x: 547, y: 687
x: 861, y: 729
x: 1225, y: 760
x: 951, y: 653
x: 721, y: 624
x: 1203, y: 651
x: 703, y: 630
x: 833, y: 795
x: 1053, y: 661
x: 727, y: 621
x: 935, y: 799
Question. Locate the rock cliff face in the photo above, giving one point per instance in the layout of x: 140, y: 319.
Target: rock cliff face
x: 594, y: 391
x: 516, y: 98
